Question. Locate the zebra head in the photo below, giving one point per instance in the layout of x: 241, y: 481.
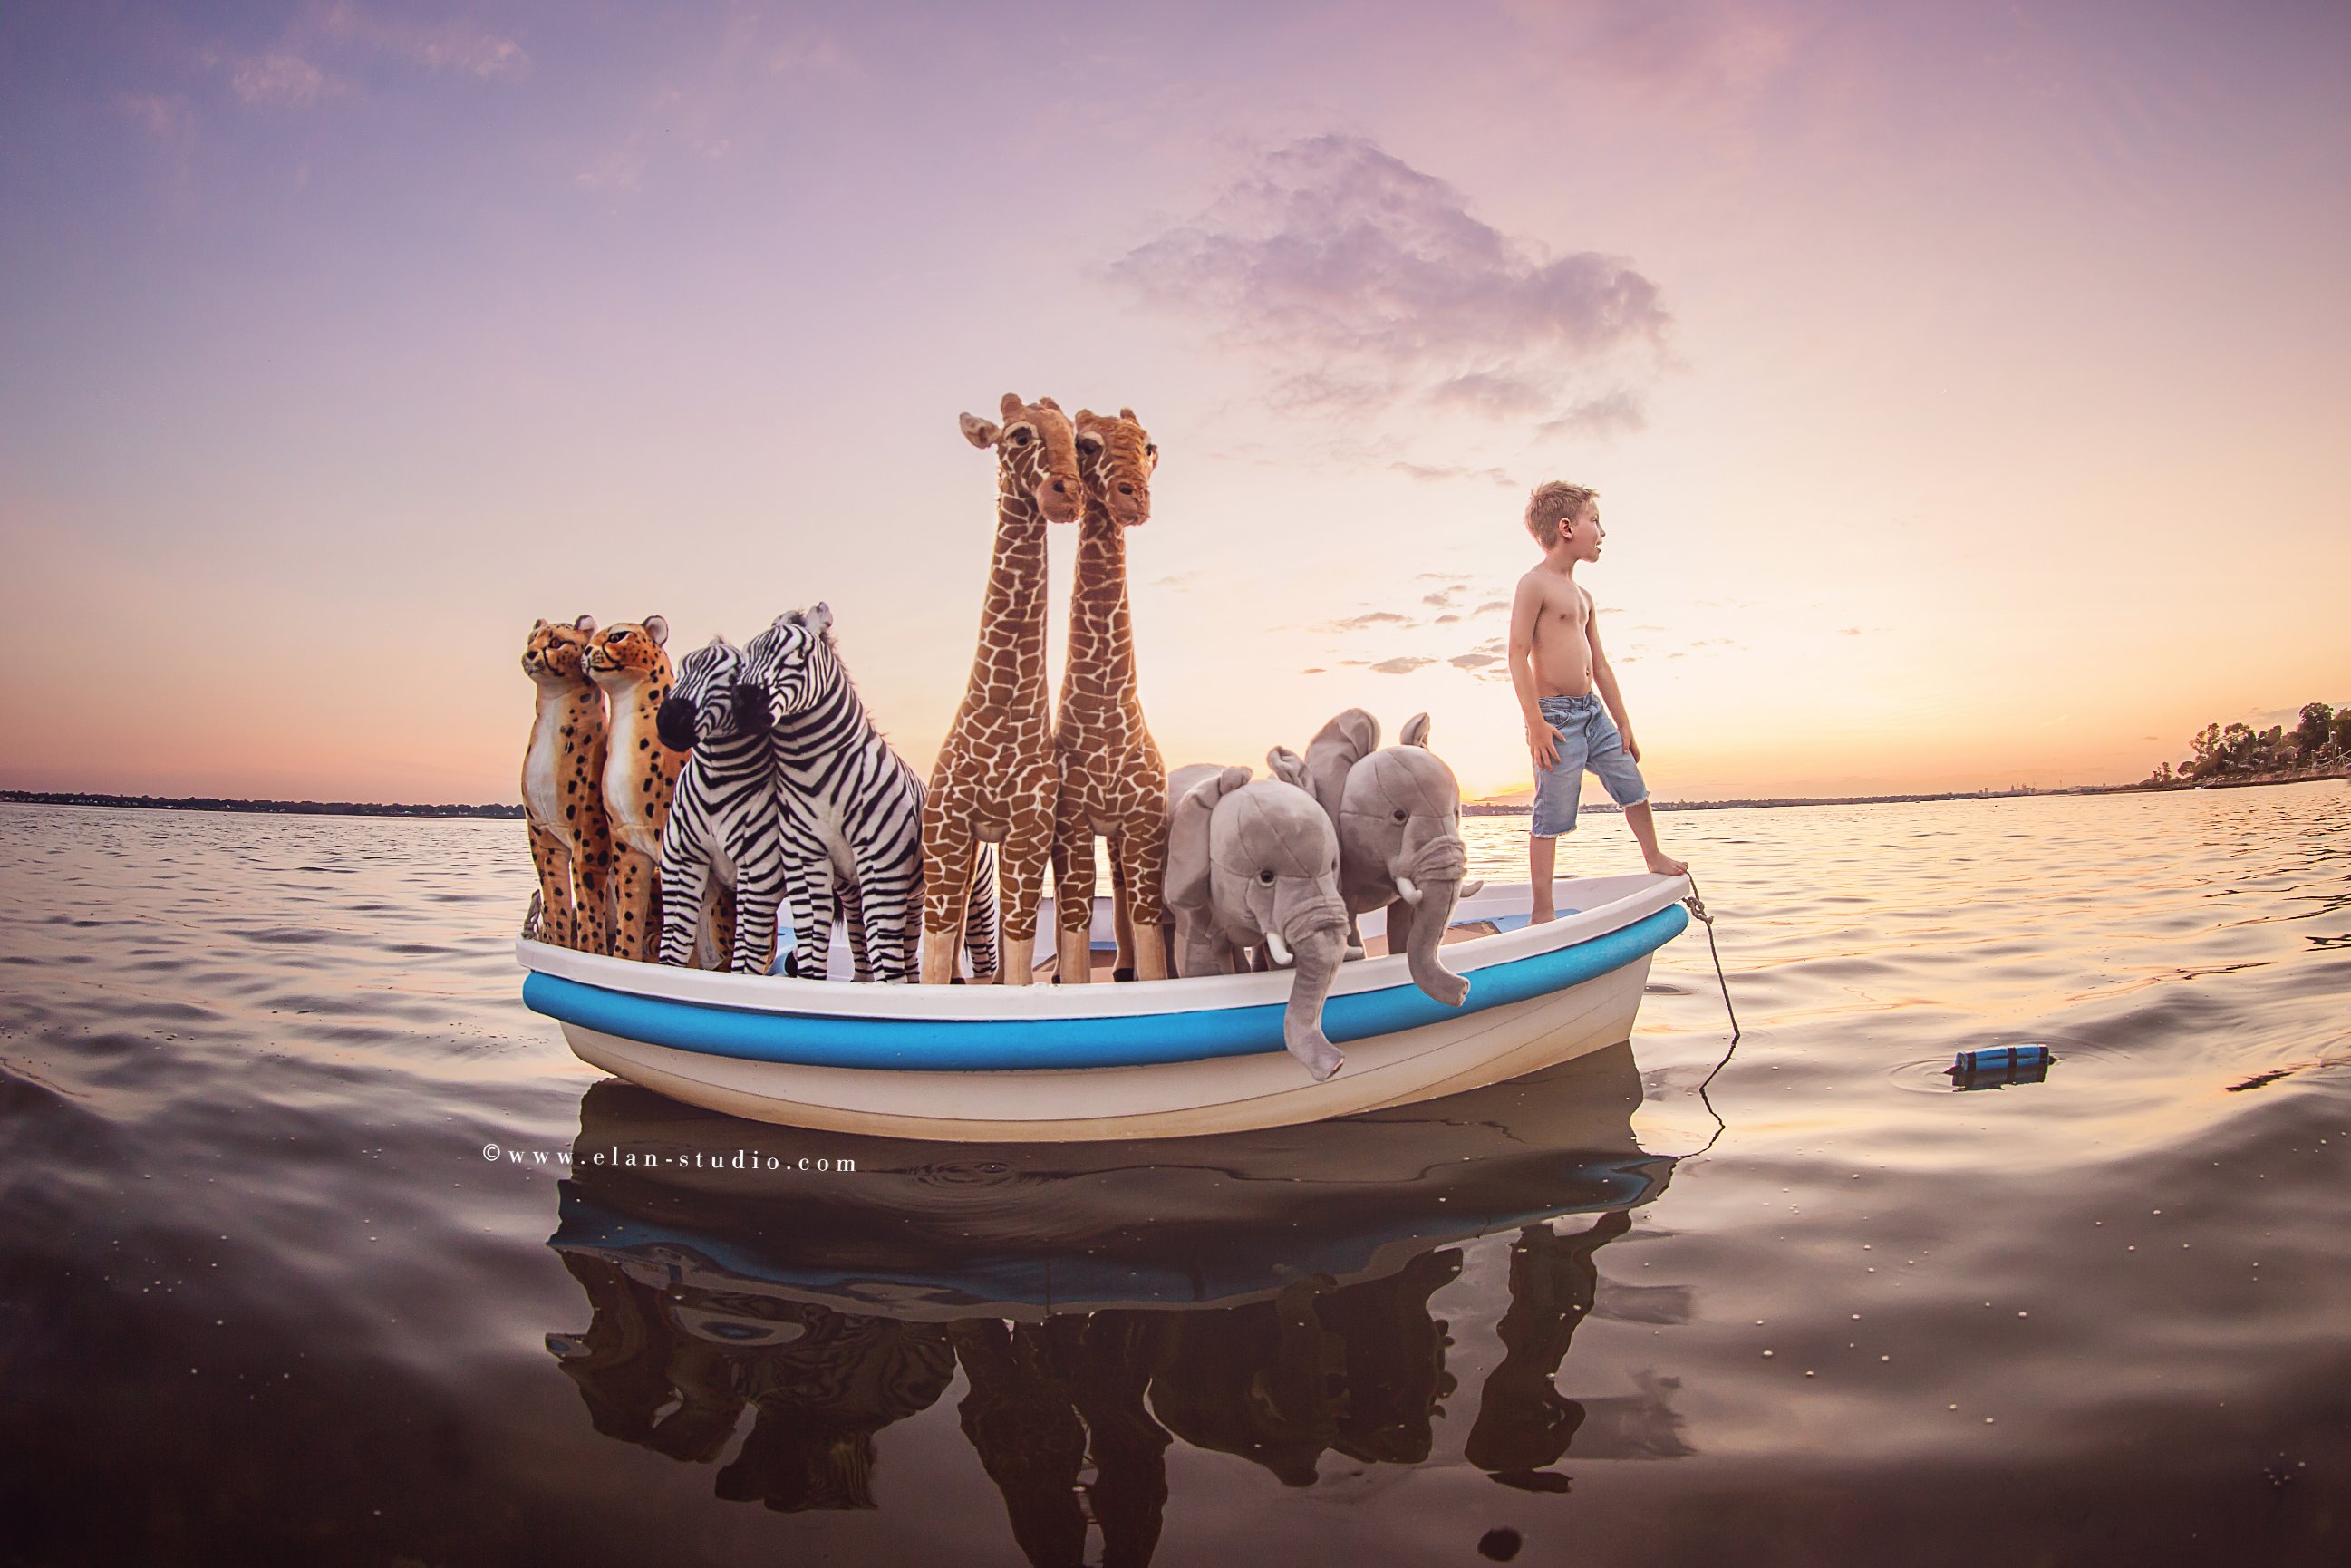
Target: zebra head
x: 708, y: 701
x: 789, y: 658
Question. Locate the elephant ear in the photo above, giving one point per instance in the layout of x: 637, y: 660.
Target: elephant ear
x: 1187, y: 839
x: 1336, y: 748
x: 1416, y: 732
x: 1288, y: 767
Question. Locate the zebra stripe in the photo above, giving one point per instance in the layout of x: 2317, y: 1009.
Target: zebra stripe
x: 850, y: 803
x: 724, y: 834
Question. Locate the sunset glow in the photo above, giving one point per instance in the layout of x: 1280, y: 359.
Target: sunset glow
x: 1958, y: 383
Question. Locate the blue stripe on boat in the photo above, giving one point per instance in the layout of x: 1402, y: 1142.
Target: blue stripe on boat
x: 1134, y: 1039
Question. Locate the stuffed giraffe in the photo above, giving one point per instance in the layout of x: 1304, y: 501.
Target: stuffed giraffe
x: 563, y: 789
x: 995, y: 778
x: 639, y: 776
x: 1111, y: 780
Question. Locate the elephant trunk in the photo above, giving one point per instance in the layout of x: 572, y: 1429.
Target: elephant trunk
x: 1436, y: 875
x: 1317, y: 954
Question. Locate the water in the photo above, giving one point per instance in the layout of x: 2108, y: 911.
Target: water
x: 262, y: 1297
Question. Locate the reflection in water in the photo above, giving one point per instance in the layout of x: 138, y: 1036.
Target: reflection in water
x: 1264, y: 1295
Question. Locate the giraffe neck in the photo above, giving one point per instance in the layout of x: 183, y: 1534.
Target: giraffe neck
x: 1011, y: 656
x: 1100, y: 670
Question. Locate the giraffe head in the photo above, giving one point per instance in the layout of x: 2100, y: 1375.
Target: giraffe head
x: 1117, y: 456
x: 1036, y: 454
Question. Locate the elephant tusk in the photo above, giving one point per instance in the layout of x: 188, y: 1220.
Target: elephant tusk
x: 1472, y: 889
x: 1279, y: 948
x: 1407, y: 890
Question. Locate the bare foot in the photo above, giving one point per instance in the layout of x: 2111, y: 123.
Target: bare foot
x: 1666, y: 865
x: 1543, y: 915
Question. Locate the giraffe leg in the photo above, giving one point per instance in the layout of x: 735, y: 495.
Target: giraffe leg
x: 1143, y: 860
x: 946, y: 892
x: 1122, y: 928
x: 1027, y: 854
x: 979, y: 917
x: 552, y: 858
x: 1073, y: 901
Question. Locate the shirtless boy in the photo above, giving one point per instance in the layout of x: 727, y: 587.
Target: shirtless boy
x: 1575, y: 716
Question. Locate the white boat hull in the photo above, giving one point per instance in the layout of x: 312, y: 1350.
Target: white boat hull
x: 1164, y: 1059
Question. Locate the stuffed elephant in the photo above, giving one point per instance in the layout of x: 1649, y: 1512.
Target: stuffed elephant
x: 1397, y: 813
x: 1257, y: 865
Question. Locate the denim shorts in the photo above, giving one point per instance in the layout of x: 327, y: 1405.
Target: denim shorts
x: 1587, y: 739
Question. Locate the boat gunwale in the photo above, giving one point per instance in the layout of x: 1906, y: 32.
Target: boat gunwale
x: 791, y: 997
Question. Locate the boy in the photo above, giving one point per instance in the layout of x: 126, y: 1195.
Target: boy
x: 1556, y: 664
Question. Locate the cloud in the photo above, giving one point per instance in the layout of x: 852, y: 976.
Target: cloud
x: 1440, y: 577
x: 1359, y: 281
x: 1445, y: 621
x: 169, y: 119
x: 1491, y: 605
x: 1848, y: 630
x: 1618, y: 413
x: 280, y: 81
x: 1371, y: 618
x: 1473, y: 661
x: 1403, y: 665
x: 456, y: 46
x: 1430, y: 473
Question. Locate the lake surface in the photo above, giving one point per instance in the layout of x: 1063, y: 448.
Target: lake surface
x: 263, y: 1297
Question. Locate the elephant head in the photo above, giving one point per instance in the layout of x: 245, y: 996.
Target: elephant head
x: 1257, y: 865
x: 1397, y: 811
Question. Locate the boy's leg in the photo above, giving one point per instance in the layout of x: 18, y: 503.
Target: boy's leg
x: 1644, y: 823
x: 1542, y: 851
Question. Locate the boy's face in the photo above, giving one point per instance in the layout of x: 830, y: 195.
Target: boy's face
x: 1581, y: 537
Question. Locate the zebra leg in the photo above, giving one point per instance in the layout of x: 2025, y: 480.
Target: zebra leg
x: 803, y: 855
x: 758, y: 892
x: 1073, y: 902
x: 852, y: 911
x: 686, y: 875
x: 980, y: 916
x: 552, y: 858
x: 719, y: 937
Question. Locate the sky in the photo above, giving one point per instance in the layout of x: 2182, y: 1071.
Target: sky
x: 1956, y: 378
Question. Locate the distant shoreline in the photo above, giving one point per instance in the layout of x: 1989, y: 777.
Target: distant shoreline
x: 1469, y: 808
x: 258, y: 808
x: 1491, y: 809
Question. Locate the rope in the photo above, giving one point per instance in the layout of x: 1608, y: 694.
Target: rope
x: 1696, y: 904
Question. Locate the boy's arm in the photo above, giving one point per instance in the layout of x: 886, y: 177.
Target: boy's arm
x: 1543, y: 743
x: 1604, y: 676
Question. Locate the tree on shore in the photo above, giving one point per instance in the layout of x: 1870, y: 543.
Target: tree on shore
x: 2220, y: 751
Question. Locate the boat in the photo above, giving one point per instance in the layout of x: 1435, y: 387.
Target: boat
x: 1164, y: 1059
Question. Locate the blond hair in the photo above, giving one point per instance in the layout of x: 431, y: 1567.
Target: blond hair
x: 1554, y: 504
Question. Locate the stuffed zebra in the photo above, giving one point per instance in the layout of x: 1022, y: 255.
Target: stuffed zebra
x: 724, y: 834
x: 851, y: 803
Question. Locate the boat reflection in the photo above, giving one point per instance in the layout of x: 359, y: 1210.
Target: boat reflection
x: 1263, y: 1294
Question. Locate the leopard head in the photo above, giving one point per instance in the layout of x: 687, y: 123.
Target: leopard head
x: 557, y: 653
x: 629, y: 652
